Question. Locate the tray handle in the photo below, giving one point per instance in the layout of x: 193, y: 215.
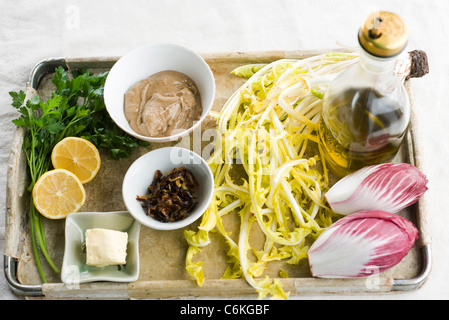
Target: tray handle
x: 10, y: 267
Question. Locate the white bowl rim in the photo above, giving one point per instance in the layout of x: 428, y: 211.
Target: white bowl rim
x: 178, y: 135
x: 158, y: 225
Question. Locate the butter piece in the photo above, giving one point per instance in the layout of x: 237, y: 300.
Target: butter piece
x: 105, y: 247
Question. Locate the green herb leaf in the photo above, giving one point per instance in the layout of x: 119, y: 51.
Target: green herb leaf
x: 18, y: 98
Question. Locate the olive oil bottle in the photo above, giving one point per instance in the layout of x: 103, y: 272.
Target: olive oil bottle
x: 366, y: 109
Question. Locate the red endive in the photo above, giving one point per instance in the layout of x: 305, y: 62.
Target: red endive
x: 388, y: 187
x: 361, y: 244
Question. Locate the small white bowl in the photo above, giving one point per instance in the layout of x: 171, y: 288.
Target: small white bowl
x: 146, y: 61
x: 74, y: 268
x: 141, y: 173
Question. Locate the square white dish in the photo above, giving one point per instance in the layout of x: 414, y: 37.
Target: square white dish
x: 74, y: 268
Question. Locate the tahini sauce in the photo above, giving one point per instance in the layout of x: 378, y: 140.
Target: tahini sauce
x: 166, y: 103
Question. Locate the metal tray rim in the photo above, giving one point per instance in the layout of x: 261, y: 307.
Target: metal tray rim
x: 46, y: 66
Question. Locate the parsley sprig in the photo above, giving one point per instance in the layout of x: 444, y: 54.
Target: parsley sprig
x: 76, y: 108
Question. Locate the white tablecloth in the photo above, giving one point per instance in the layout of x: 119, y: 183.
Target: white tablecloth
x: 34, y: 30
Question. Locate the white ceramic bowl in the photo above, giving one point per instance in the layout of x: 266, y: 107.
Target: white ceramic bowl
x: 141, y: 173
x: 146, y: 61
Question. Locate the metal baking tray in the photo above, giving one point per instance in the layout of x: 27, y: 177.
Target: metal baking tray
x: 410, y: 274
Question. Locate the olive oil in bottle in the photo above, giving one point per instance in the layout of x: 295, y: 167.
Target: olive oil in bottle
x: 366, y: 108
x: 361, y: 128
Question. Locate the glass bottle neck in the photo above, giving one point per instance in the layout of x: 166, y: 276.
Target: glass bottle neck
x: 376, y: 65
